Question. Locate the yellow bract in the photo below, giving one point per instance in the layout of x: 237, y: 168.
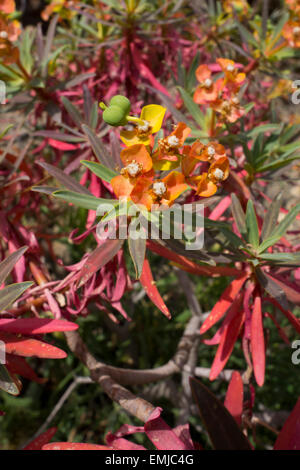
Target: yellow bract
x: 153, y: 115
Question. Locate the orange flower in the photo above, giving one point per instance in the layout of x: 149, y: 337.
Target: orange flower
x: 7, y: 6
x: 137, y: 164
x: 207, y: 182
x: 291, y: 32
x: 9, y: 32
x: 207, y: 153
x: 233, y: 78
x: 230, y: 110
x: 169, y: 146
x: 161, y: 191
x: 207, y: 90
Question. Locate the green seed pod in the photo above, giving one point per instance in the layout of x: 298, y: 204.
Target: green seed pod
x: 114, y: 116
x: 122, y: 102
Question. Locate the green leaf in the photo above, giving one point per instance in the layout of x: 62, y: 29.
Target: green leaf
x: 83, y: 200
x: 10, y: 293
x: 192, y: 107
x: 137, y: 250
x: 8, y: 263
x: 271, y: 217
x: 281, y: 228
x: 8, y: 383
x: 293, y: 258
x: 271, y: 287
x: 99, y: 149
x: 100, y: 170
x: 73, y: 111
x: 238, y: 214
x: 252, y: 227
x: 276, y: 165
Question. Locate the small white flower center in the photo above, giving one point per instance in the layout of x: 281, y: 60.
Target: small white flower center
x: 218, y: 174
x: 133, y: 169
x: 159, y: 188
x: 296, y: 30
x: 235, y: 100
x: 3, y: 35
x: 173, y: 141
x: 207, y: 83
x: 144, y: 127
x: 230, y: 68
x: 211, y: 151
x: 129, y: 128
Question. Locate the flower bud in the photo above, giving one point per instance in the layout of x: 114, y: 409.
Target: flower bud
x: 122, y: 102
x: 114, y: 116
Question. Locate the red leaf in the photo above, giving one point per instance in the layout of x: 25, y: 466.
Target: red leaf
x: 289, y: 437
x: 58, y: 144
x: 18, y: 365
x: 229, y: 337
x: 148, y: 284
x: 224, y: 302
x: 120, y: 443
x: 161, y: 435
x: 291, y: 318
x: 258, y: 342
x: 41, y: 440
x: 73, y: 446
x: 233, y: 310
x: 234, y: 397
x: 35, y: 326
x: 190, y: 266
x: 27, y: 347
x: 98, y: 258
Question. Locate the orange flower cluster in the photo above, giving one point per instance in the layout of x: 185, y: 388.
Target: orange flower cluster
x: 138, y: 180
x: 291, y: 29
x: 9, y: 32
x: 221, y: 94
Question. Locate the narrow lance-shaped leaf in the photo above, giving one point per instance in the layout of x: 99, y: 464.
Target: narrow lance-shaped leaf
x: 10, y: 293
x: 281, y: 228
x: 100, y: 170
x: 73, y: 111
x: 252, y: 227
x: 137, y: 249
x: 238, y: 214
x: 271, y: 217
x: 258, y: 342
x: 228, y: 339
x: 148, y: 284
x: 41, y: 440
x: 64, y: 179
x: 235, y: 396
x: 222, y: 428
x: 35, y: 326
x: 28, y: 347
x: 271, y: 287
x: 100, y: 256
x: 224, y: 302
x: 8, y: 263
x: 99, y: 149
x: 83, y: 200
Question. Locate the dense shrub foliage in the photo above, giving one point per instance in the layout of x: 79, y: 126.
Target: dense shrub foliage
x: 149, y: 178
